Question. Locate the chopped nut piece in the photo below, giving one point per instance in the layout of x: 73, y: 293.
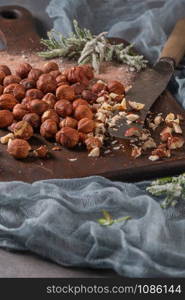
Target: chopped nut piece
x: 166, y: 133
x: 41, y: 152
x: 153, y: 157
x: 136, y: 152
x: 56, y: 148
x: 149, y: 144
x: 136, y: 105
x: 132, y: 117
x: 175, y: 142
x: 5, y: 139
x: 158, y: 120
x: 133, y: 131
x: 169, y: 118
x: 177, y: 128
x: 95, y: 152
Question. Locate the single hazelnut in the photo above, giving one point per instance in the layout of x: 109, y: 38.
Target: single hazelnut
x: 65, y: 92
x: 78, y: 88
x: 1, y: 90
x: 116, y: 87
x: 50, y: 99
x: 6, y: 118
x: 28, y: 84
x: 80, y: 74
x: 83, y: 111
x: 50, y: 66
x: 33, y: 119
x: 68, y: 122
x: 16, y: 89
x: 23, y: 69
x: 89, y: 96
x: 61, y: 80
x: 50, y: 114
x: 41, y: 152
x: 2, y: 76
x: 19, y: 111
x: 48, y: 128
x: 55, y: 73
x: 26, y: 101
x: 34, y: 94
x: 23, y: 130
x: 37, y: 106
x: 19, y: 148
x: 86, y: 125
x: 46, y: 83
x: 34, y: 74
x: 63, y: 108
x: 5, y: 69
x: 7, y: 101
x: 92, y: 142
x: 68, y: 137
x: 78, y: 102
x: 98, y: 87
x: 11, y: 79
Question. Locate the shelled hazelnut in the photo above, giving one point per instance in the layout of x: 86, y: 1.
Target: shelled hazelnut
x: 50, y: 66
x: 6, y: 118
x: 18, y: 148
x: 5, y: 69
x: 23, y: 130
x: 83, y: 111
x: 78, y: 102
x: 46, y: 83
x: 50, y: 99
x: 55, y: 73
x: 19, y: 111
x: 11, y: 79
x: 34, y: 94
x: 33, y: 119
x: 89, y: 96
x: 37, y: 106
x: 7, y: 101
x: 68, y: 122
x: 50, y: 114
x: 92, y: 142
x: 86, y: 125
x: 80, y: 74
x: 98, y: 87
x: 1, y: 89
x: 34, y: 74
x: 116, y: 87
x: 16, y: 89
x: 23, y: 69
x: 2, y: 76
x: 63, y: 108
x: 61, y: 80
x: 78, y: 88
x: 28, y: 84
x: 41, y: 152
x: 48, y: 128
x: 68, y: 137
x: 65, y: 92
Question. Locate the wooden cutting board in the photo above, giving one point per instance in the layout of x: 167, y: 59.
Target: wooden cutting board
x: 18, y: 34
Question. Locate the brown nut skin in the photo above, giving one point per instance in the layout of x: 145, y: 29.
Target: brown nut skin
x: 41, y: 152
x: 16, y: 89
x: 83, y: 111
x: 116, y: 87
x: 23, y: 69
x: 50, y: 99
x: 28, y: 84
x: 89, y: 96
x: 50, y: 114
x: 23, y: 130
x: 63, y: 108
x: 50, y: 66
x: 86, y: 125
x: 19, y: 148
x: 34, y: 94
x: 68, y: 122
x: 48, y: 129
x: 65, y: 92
x: 1, y: 89
x: 82, y: 137
x: 92, y: 142
x: 78, y: 102
x: 7, y: 101
x: 33, y: 119
x: 6, y: 118
x: 12, y: 126
x: 55, y: 73
x: 19, y: 111
x: 80, y: 74
x: 5, y: 69
x: 11, y: 79
x: 68, y: 137
x: 37, y: 106
x: 34, y: 74
x: 78, y: 88
x: 98, y: 87
x: 2, y: 76
x: 61, y: 80
x: 46, y: 83
x: 26, y: 101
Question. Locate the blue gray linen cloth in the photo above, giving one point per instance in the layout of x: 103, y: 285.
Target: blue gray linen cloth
x: 58, y: 218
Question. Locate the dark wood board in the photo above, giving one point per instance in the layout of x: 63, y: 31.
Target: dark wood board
x: 117, y: 166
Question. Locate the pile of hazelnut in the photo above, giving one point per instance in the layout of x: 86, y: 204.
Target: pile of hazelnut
x: 60, y: 105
